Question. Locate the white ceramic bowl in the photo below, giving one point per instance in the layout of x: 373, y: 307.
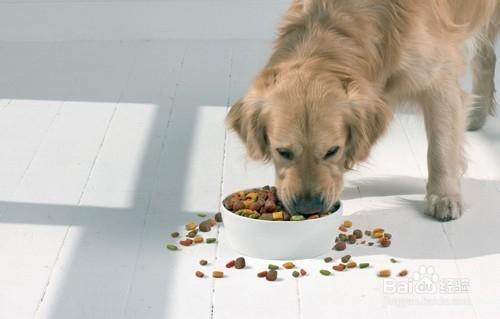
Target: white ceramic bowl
x: 281, y: 240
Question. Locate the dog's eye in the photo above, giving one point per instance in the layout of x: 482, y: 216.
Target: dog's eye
x: 285, y: 153
x: 331, y: 152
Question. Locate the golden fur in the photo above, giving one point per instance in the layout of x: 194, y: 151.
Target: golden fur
x: 339, y: 67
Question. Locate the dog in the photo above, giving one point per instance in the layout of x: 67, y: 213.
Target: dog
x: 338, y: 69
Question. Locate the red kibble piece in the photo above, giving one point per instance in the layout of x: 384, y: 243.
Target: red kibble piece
x: 303, y: 272
x: 403, y: 273
x: 230, y: 264
x: 262, y: 274
x: 199, y: 274
x: 186, y: 242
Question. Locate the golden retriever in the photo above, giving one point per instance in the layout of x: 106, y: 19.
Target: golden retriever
x: 337, y: 70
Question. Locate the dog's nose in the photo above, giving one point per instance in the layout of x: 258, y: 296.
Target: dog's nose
x: 309, y: 206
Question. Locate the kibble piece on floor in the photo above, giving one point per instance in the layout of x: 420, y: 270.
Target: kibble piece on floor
x: 289, y: 265
x: 213, y: 222
x: 346, y: 258
x: 351, y: 239
x: 240, y: 263
x: 358, y: 233
x: 202, y: 215
x: 378, y: 230
x: 218, y: 217
x: 387, y: 235
x: 203, y: 262
x: 340, y: 246
x: 342, y: 228
x: 192, y: 233
x: 364, y: 265
x: 174, y: 234
x: 191, y: 226
x: 171, y: 247
x: 198, y: 240
x: 368, y: 232
x: 403, y: 273
x: 393, y: 260
x: 199, y: 274
x: 295, y: 274
x: 339, y: 267
x: 325, y: 272
x: 230, y: 264
x: 262, y: 274
x: 351, y: 264
x: 217, y: 274
x: 272, y: 275
x: 211, y: 240
x: 297, y: 218
x: 385, y: 242
x: 303, y: 272
x: 328, y: 259
x: 347, y: 223
x: 273, y: 267
x: 377, y: 235
x: 343, y: 237
x: 205, y: 226
x: 371, y: 243
x: 384, y: 273
x: 186, y: 242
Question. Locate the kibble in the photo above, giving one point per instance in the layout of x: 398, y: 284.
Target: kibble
x: 213, y: 222
x: 203, y: 262
x: 315, y: 216
x: 385, y: 242
x: 340, y: 246
x: 262, y: 274
x: 186, y: 242
x: 230, y: 264
x: 192, y: 233
x: 384, y: 273
x: 358, y: 233
x: 393, y: 260
x: 217, y: 274
x: 351, y: 239
x: 368, y: 232
x: 240, y: 263
x: 325, y: 272
x: 205, y: 226
x: 387, y: 235
x: 295, y: 274
x: 342, y: 237
x: 272, y: 267
x: 297, y: 218
x: 198, y: 240
x: 347, y: 223
x: 171, y: 247
x: 328, y: 259
x: 202, y: 215
x: 403, y: 273
x: 303, y: 272
x: 272, y: 275
x: 351, y: 264
x: 199, y: 274
x: 218, y: 217
x: 289, y: 265
x: 371, y: 243
x: 339, y: 267
x: 211, y: 240
x: 377, y: 235
x: 191, y: 226
x: 364, y: 265
x: 174, y: 234
x: 345, y: 259
x: 342, y: 228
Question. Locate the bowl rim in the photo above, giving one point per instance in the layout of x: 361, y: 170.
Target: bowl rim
x: 278, y: 222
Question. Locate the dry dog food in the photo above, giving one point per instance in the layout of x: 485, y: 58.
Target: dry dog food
x: 272, y: 275
x: 364, y: 265
x: 403, y: 273
x: 340, y: 246
x: 174, y: 234
x: 203, y: 262
x: 325, y: 272
x: 240, y: 263
x: 393, y: 260
x: 205, y: 226
x: 230, y: 264
x: 198, y: 240
x: 262, y: 274
x: 296, y: 274
x: 191, y: 226
x: 358, y: 233
x: 211, y: 240
x: 199, y: 274
x: 202, y: 215
x: 186, y: 242
x: 345, y: 259
x: 289, y: 265
x: 328, y: 259
x: 264, y: 204
x: 351, y: 264
x: 217, y: 274
x: 272, y: 267
x: 171, y: 247
x: 385, y: 242
x: 303, y: 272
x: 218, y: 217
x: 339, y: 267
x: 192, y: 233
x: 384, y: 273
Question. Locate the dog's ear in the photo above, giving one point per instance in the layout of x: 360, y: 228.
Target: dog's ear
x: 367, y: 118
x: 245, y: 118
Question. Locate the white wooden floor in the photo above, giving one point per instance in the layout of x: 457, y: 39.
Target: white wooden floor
x: 108, y: 147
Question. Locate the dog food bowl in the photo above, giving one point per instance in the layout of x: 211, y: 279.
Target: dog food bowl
x: 281, y: 240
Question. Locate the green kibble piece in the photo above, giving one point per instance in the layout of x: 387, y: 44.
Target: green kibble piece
x: 175, y: 234
x: 202, y: 215
x: 171, y: 247
x: 394, y: 260
x: 210, y: 240
x: 297, y: 218
x: 254, y: 216
x: 364, y: 265
x: 328, y: 259
x: 296, y: 274
x: 325, y: 272
x: 273, y: 267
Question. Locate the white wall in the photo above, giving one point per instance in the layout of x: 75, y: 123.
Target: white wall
x: 69, y: 20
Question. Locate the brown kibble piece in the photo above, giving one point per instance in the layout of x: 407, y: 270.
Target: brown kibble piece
x: 378, y: 235
x: 303, y: 272
x: 199, y: 274
x: 342, y: 228
x: 339, y: 267
x: 218, y: 217
x: 240, y: 263
x: 192, y: 233
x: 385, y: 242
x: 358, y: 233
x: 230, y: 264
x: 351, y: 239
x: 262, y: 274
x: 384, y: 273
x: 387, y: 235
x: 217, y: 274
x: 191, y: 226
x: 345, y: 259
x: 403, y: 273
x: 328, y: 259
x: 347, y: 223
x: 203, y: 262
x: 205, y: 226
x: 368, y: 232
x: 186, y: 242
x: 174, y: 234
x: 351, y: 264
x: 198, y: 240
x: 289, y: 265
x: 272, y: 275
x: 340, y: 246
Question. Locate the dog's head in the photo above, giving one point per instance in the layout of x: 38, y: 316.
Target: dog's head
x: 313, y: 126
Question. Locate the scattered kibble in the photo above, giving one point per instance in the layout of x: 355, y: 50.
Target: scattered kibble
x: 199, y: 274
x: 186, y: 242
x: 272, y: 275
x: 340, y: 246
x: 371, y: 243
x: 174, y: 234
x: 385, y: 242
x: 191, y: 226
x: 205, y: 226
x: 289, y: 265
x: 218, y: 217
x: 357, y: 233
x: 403, y: 273
x: 202, y: 215
x: 230, y: 264
x: 368, y: 232
x: 328, y: 259
x: 347, y: 223
x: 351, y: 264
x: 394, y: 260
x: 384, y: 273
x: 351, y: 239
x: 217, y: 274
x: 198, y: 240
x: 339, y: 267
x: 377, y: 235
x: 346, y: 258
x: 325, y: 272
x: 203, y: 262
x: 315, y: 216
x: 211, y: 240
x: 262, y: 274
x: 364, y: 265
x: 295, y: 274
x: 378, y: 230
x: 342, y: 237
x: 272, y: 267
x: 240, y: 263
x: 387, y: 235
x: 297, y: 218
x: 192, y: 233
x: 342, y: 228
x: 171, y: 247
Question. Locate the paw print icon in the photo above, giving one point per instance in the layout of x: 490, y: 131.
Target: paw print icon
x: 425, y: 281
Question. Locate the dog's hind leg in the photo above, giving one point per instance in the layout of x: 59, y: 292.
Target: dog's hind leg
x: 483, y: 72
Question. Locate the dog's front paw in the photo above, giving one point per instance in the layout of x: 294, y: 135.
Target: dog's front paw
x: 444, y: 208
